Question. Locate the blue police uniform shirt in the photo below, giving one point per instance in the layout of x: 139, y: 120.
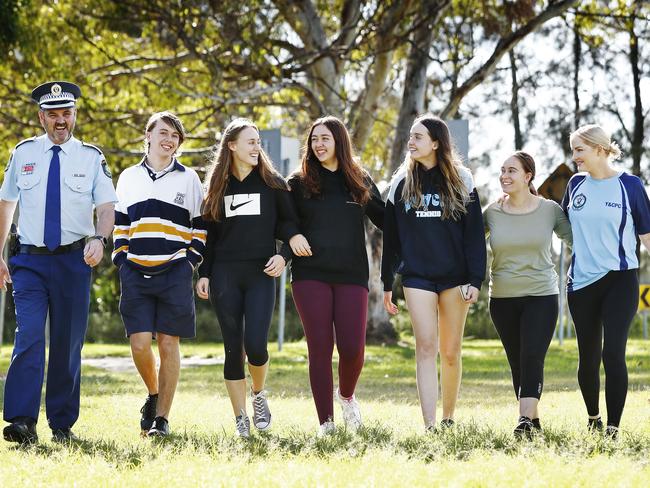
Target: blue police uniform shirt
x: 85, y: 182
x: 606, y: 216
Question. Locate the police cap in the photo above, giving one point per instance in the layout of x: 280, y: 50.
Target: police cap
x: 56, y: 94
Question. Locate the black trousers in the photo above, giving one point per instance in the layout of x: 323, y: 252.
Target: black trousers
x: 243, y: 297
x: 602, y: 314
x: 525, y: 326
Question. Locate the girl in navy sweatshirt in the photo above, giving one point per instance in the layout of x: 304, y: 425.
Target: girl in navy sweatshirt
x: 433, y: 237
x: 332, y: 193
x: 247, y: 207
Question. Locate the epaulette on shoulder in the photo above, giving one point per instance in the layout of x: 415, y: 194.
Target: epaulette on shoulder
x: 31, y: 139
x: 91, y: 146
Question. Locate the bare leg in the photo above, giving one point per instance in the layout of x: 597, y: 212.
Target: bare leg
x: 144, y: 359
x: 237, y: 393
x: 423, y: 307
x: 452, y: 312
x: 258, y: 376
x: 528, y: 407
x: 170, y: 366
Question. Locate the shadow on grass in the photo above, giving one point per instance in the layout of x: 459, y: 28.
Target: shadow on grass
x: 460, y: 442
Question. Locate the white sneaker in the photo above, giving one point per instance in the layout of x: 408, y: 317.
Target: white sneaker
x: 326, y: 428
x: 261, y: 412
x: 351, y: 412
x: 242, y: 425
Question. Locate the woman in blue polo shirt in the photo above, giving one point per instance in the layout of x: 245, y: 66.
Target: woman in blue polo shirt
x: 607, y: 209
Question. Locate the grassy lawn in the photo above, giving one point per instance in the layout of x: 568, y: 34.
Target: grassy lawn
x: 391, y: 450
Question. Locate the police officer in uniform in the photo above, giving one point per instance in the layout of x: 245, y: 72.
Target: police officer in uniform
x: 56, y: 180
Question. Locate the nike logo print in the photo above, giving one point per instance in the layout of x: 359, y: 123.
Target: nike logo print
x: 234, y: 207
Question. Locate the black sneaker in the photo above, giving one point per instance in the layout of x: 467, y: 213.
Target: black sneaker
x: 524, y: 428
x: 22, y: 430
x: 148, y: 412
x: 447, y: 424
x: 160, y: 428
x: 64, y: 436
x: 536, y: 424
x: 595, y: 425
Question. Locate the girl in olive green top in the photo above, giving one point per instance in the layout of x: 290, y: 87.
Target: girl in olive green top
x: 523, y: 281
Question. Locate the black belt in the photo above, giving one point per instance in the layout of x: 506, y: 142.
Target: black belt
x: 29, y: 249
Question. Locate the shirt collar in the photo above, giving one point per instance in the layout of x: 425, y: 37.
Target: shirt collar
x: 173, y: 166
x: 66, y: 147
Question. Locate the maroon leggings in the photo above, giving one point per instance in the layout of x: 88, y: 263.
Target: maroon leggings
x: 320, y: 305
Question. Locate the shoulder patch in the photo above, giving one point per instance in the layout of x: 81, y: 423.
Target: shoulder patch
x: 105, y: 168
x: 91, y: 146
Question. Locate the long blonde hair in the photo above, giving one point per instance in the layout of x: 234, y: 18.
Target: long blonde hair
x: 221, y: 167
x: 595, y: 136
x: 453, y: 193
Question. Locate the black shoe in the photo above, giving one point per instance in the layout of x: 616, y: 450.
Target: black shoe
x: 160, y: 428
x: 148, y: 412
x: 611, y: 432
x: 22, y: 430
x: 524, y: 427
x: 447, y: 424
x: 595, y: 425
x: 63, y: 436
x: 536, y: 424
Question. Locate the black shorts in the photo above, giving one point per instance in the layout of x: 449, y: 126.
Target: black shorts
x: 428, y: 285
x: 159, y: 303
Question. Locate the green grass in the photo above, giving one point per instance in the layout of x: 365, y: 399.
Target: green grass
x: 390, y: 450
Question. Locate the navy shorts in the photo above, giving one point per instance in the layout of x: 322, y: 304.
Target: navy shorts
x: 428, y: 285
x: 159, y: 303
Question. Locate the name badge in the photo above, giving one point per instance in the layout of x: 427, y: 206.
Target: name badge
x: 27, y: 169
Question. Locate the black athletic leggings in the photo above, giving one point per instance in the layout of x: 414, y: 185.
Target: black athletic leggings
x: 243, y: 297
x: 525, y: 326
x: 608, y: 306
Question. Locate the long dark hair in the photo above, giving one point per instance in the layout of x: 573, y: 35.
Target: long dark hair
x: 355, y: 176
x: 453, y: 193
x: 221, y: 167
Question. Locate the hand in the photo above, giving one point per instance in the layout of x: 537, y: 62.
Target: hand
x: 93, y: 252
x: 203, y: 288
x: 5, y: 277
x: 274, y: 266
x: 390, y: 307
x: 472, y: 294
x: 299, y: 245
x: 502, y: 199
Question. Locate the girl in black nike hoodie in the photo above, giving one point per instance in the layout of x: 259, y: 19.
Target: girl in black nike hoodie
x: 247, y: 206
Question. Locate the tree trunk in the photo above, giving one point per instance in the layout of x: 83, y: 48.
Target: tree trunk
x: 364, y: 118
x: 514, y: 102
x: 639, y: 117
x: 415, y: 82
x: 379, y: 328
x: 577, y: 61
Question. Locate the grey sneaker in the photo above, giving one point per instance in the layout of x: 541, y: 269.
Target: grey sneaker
x: 261, y: 412
x: 351, y: 412
x: 242, y: 425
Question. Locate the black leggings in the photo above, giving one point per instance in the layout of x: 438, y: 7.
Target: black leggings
x: 243, y: 297
x: 608, y: 306
x: 525, y: 326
